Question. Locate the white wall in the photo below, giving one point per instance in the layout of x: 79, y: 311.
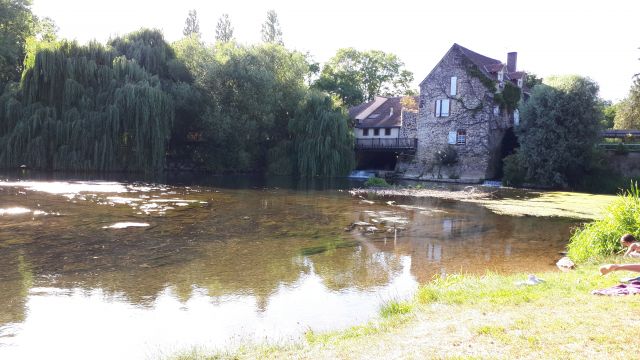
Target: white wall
x: 394, y: 134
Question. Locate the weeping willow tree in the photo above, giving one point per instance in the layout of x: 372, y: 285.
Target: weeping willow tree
x: 90, y: 107
x: 321, y: 141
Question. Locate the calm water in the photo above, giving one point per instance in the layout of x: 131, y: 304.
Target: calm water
x: 96, y: 269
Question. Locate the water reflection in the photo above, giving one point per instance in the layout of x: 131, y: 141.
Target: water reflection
x: 146, y: 269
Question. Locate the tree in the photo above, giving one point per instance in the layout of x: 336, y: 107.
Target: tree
x: 609, y: 111
x: 322, y: 141
x: 224, y: 30
x: 531, y: 80
x: 559, y: 127
x: 46, y: 29
x: 271, y: 32
x: 255, y: 91
x: 16, y: 26
x: 192, y: 24
x: 628, y: 112
x: 357, y: 76
x: 96, y: 107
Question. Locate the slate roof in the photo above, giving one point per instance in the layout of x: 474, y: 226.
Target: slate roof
x: 483, y: 62
x: 355, y: 110
x: 382, y: 116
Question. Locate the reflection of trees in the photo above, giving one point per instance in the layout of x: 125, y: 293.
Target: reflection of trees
x: 240, y: 242
x: 16, y: 280
x: 363, y: 267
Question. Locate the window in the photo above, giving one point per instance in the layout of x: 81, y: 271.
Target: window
x: 376, y: 132
x: 519, y: 83
x: 500, y: 76
x: 365, y: 132
x: 387, y: 131
x: 461, y: 137
x: 454, y: 85
x: 442, y: 108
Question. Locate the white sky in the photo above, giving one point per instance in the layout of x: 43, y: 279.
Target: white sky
x: 598, y: 39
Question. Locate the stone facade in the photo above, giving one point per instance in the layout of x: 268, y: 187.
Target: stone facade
x: 458, y: 114
x: 409, y: 128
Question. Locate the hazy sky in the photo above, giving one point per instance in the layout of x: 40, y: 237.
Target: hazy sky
x: 599, y: 39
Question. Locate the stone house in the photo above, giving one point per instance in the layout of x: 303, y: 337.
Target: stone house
x: 467, y: 104
x: 384, y: 129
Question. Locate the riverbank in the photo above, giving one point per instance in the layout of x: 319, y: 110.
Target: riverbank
x: 506, y: 201
x: 478, y: 317
x: 485, y: 316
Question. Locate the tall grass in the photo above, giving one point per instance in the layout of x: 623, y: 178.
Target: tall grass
x: 601, y: 238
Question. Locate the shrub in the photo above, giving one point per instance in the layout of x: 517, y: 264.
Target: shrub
x: 602, y: 237
x: 514, y: 171
x: 376, y: 182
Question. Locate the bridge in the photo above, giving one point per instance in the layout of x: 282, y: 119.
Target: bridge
x: 620, y: 134
x: 406, y: 145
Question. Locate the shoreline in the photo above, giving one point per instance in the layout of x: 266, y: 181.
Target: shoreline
x: 506, y: 201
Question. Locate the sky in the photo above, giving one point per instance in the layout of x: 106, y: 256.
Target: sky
x: 598, y: 39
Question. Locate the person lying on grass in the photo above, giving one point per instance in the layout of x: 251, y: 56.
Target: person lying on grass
x: 630, y: 241
x: 605, y: 269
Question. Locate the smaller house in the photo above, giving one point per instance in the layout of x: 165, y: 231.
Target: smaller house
x: 385, y: 130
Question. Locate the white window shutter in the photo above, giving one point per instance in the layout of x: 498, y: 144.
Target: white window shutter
x: 452, y: 137
x: 516, y: 117
x: 454, y: 85
x: 438, y: 103
x: 445, y: 107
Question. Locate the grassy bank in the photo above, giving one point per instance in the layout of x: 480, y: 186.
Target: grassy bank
x: 483, y: 317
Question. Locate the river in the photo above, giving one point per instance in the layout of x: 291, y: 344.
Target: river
x: 127, y: 269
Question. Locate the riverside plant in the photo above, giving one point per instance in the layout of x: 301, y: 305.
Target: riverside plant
x: 376, y: 182
x: 601, y: 238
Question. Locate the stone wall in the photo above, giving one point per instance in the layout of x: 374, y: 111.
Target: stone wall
x: 627, y: 165
x: 409, y: 124
x: 471, y: 110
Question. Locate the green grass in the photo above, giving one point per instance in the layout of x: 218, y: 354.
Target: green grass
x: 601, y: 238
x: 395, y: 307
x: 470, y: 316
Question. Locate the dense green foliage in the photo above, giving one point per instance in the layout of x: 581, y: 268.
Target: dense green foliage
x: 321, y: 138
x: 531, y: 80
x: 94, y: 107
x: 261, y: 115
x: 558, y: 130
x: 609, y: 111
x: 601, y: 238
x: 627, y: 115
x: 19, y: 27
x: 357, y: 76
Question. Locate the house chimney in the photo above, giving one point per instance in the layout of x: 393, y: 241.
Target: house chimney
x: 512, y: 58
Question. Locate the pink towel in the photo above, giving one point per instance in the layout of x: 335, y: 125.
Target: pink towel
x: 623, y: 289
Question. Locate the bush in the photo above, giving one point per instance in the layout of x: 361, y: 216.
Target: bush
x: 514, y: 171
x: 602, y: 237
x: 376, y: 182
